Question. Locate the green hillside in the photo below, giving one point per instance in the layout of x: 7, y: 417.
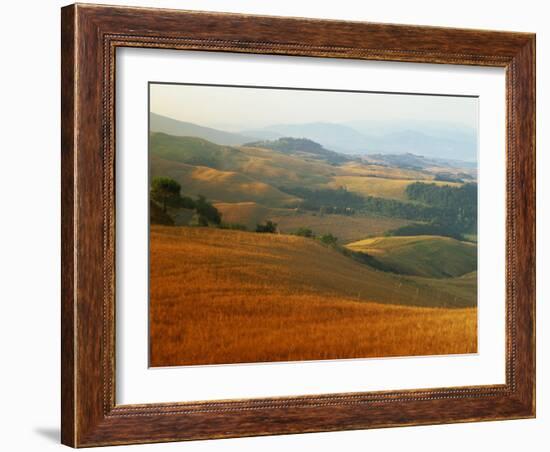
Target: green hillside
x: 269, y: 166
x: 288, y: 177
x: 428, y: 256
x: 301, y: 146
x: 159, y: 123
x: 460, y: 291
x: 195, y: 151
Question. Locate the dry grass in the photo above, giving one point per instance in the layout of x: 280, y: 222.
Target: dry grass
x: 229, y: 297
x: 217, y: 185
x: 386, y: 172
x: 346, y: 228
x: 247, y: 213
x: 379, y: 186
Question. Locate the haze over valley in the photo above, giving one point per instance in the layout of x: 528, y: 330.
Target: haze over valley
x: 437, y: 140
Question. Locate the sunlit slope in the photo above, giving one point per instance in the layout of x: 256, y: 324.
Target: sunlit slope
x: 287, y: 264
x: 424, y: 255
x: 220, y: 296
x: 380, y: 186
x: 269, y: 166
x: 217, y: 185
x: 364, y: 168
x: 283, y: 170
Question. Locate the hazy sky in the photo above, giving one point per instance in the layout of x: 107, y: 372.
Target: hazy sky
x: 245, y: 108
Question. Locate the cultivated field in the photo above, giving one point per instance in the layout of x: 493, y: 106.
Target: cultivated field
x: 346, y: 228
x: 380, y: 187
x: 423, y: 255
x: 220, y: 296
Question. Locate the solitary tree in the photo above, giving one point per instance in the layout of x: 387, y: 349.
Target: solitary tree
x: 165, y: 191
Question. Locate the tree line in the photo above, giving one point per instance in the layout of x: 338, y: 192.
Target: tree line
x: 439, y: 209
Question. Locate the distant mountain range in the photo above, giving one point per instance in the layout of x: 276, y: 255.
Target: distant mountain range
x: 429, y: 139
x: 440, y: 140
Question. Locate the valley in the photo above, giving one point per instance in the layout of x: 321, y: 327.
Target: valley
x: 279, y: 249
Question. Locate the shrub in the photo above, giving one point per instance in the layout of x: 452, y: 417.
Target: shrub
x: 305, y: 232
x: 328, y: 239
x: 268, y: 227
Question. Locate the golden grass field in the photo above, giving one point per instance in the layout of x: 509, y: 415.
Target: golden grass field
x: 220, y: 296
x: 346, y: 228
x: 379, y: 186
x: 217, y: 185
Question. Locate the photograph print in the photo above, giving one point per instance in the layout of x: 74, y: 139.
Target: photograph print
x: 294, y: 224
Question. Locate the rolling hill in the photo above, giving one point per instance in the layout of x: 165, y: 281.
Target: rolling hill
x: 331, y: 135
x: 283, y: 163
x: 194, y: 151
x: 248, y: 297
x: 273, y: 174
x: 269, y: 166
x: 219, y: 294
x: 300, y: 265
x: 164, y: 124
x: 380, y: 186
x: 301, y: 147
x: 217, y: 185
x: 428, y: 256
x: 346, y: 228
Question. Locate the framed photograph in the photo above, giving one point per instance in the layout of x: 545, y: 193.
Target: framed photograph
x: 282, y: 225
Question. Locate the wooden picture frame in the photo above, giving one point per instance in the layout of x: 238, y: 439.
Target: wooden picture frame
x: 90, y: 36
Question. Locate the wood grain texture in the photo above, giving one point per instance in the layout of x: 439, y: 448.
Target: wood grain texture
x: 67, y: 227
x: 90, y: 36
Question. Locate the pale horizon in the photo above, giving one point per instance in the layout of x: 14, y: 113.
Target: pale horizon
x: 239, y: 108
